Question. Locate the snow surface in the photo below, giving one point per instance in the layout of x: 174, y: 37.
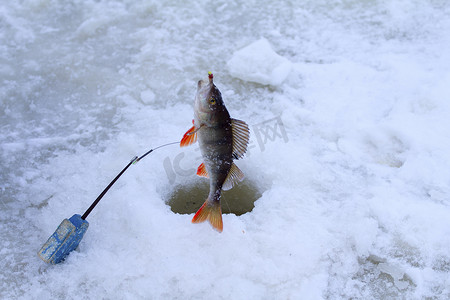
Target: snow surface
x: 355, y: 196
x: 259, y: 63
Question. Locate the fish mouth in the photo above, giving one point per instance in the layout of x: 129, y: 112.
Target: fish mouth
x: 204, y: 84
x: 204, y: 87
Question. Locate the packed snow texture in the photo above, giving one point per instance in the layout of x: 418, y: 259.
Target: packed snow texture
x: 259, y: 63
x: 351, y: 151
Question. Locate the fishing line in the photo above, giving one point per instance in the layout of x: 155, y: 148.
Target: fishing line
x: 133, y: 161
x: 226, y: 202
x: 136, y: 159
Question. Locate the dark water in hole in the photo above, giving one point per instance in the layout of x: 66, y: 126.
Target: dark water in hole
x: 187, y: 199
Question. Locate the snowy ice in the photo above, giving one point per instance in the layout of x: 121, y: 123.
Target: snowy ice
x: 354, y: 201
x: 258, y: 63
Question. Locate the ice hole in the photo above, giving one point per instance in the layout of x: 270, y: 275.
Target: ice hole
x: 187, y: 199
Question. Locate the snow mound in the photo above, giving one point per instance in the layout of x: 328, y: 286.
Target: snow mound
x: 259, y: 63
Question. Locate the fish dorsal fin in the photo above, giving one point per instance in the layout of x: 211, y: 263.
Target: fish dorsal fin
x: 189, y: 137
x: 241, y: 135
x: 201, y: 171
x: 234, y: 176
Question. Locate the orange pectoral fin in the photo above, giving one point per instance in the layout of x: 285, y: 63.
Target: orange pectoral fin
x: 201, y: 171
x: 189, y: 137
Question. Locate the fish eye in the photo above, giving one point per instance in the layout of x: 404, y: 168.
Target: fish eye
x: 212, y: 101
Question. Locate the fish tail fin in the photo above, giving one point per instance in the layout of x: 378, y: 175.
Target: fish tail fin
x: 212, y: 212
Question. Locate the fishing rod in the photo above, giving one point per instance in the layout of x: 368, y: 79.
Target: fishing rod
x: 133, y: 161
x: 70, y: 232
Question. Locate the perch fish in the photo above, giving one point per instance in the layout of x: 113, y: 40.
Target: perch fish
x: 222, y: 139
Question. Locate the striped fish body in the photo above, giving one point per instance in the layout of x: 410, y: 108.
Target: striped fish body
x: 217, y: 152
x: 221, y: 139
